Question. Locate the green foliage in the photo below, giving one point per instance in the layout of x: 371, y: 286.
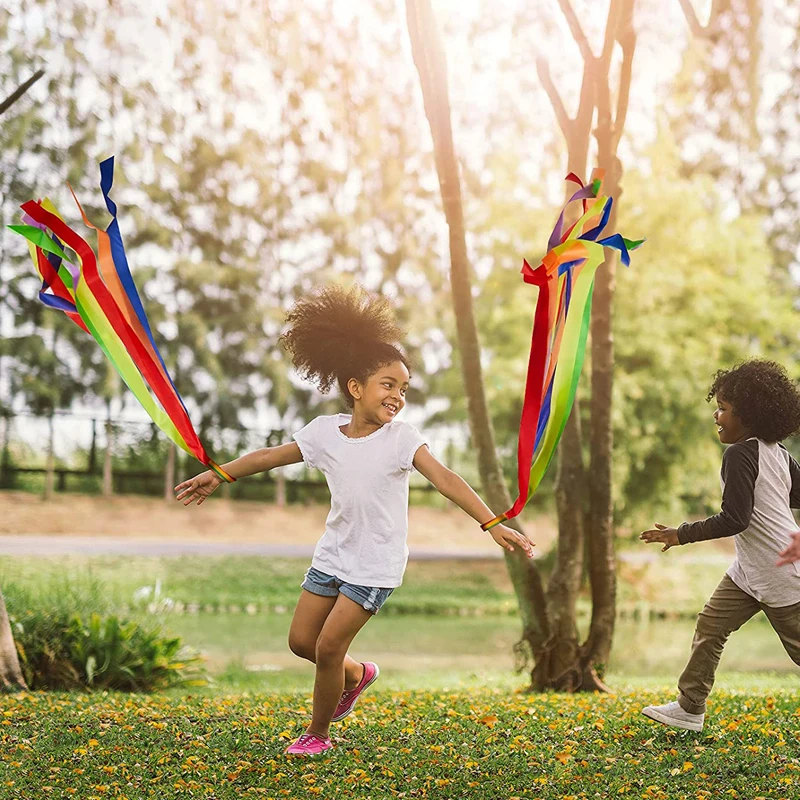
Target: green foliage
x: 698, y: 297
x: 125, y: 655
x: 69, y: 636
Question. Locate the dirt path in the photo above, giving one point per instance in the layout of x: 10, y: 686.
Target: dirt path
x: 32, y: 544
x: 141, y: 525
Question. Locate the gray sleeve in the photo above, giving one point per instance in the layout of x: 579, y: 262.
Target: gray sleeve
x: 739, y: 473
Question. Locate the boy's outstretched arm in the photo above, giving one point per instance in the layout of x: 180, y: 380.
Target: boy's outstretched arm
x: 739, y: 473
x: 204, y: 484
x: 455, y: 488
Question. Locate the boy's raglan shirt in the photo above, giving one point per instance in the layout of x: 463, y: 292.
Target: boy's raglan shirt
x: 760, y: 486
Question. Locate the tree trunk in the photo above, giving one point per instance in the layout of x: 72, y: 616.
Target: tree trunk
x: 560, y: 668
x: 594, y: 513
x: 429, y: 59
x: 600, y: 532
x: 169, y: 474
x: 549, y: 628
x: 11, y: 678
x: 564, y: 668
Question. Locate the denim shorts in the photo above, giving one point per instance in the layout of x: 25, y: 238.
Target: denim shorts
x: 369, y: 598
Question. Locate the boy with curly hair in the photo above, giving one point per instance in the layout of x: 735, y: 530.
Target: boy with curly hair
x: 758, y: 406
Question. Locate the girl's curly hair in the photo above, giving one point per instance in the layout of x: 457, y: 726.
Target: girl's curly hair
x: 763, y: 395
x: 335, y: 334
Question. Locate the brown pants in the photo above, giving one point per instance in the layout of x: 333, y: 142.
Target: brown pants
x: 725, y: 612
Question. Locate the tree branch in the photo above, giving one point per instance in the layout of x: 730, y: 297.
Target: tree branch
x: 628, y: 43
x: 577, y: 31
x: 698, y: 30
x: 14, y: 96
x: 612, y: 23
x: 691, y: 18
x: 583, y: 119
x: 564, y: 122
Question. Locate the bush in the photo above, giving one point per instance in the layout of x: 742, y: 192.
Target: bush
x: 68, y: 637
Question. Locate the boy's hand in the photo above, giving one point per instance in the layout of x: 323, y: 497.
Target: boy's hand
x: 510, y: 539
x: 197, y: 488
x: 661, y: 533
x: 791, y: 553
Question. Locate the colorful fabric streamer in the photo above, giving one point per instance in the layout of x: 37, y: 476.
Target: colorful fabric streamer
x: 565, y: 279
x: 99, y: 295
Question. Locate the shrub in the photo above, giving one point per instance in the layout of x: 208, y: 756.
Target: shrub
x: 69, y: 637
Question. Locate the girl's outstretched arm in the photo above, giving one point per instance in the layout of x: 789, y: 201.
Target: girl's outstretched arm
x: 204, y: 484
x: 792, y: 552
x: 455, y: 488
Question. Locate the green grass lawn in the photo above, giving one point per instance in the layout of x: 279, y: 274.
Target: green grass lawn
x: 252, y: 652
x: 448, y: 719
x: 677, y: 583
x: 224, y: 581
x: 249, y: 651
x: 481, y: 744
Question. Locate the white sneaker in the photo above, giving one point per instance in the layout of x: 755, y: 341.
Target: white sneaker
x: 672, y: 714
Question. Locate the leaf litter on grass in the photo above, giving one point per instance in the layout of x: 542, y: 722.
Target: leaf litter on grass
x: 481, y: 744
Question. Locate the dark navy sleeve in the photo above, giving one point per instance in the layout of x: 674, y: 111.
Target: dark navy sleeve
x: 739, y: 473
x: 794, y: 472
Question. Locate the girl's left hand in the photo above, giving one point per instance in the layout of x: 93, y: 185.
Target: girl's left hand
x: 792, y: 552
x: 510, y: 539
x: 661, y: 533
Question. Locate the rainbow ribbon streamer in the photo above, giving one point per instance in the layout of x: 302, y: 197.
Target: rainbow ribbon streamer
x: 98, y: 294
x: 565, y: 279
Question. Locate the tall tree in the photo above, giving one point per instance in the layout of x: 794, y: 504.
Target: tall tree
x: 11, y: 678
x: 429, y: 58
x: 549, y: 619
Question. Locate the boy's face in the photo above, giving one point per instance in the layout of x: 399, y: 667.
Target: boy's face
x: 729, y: 424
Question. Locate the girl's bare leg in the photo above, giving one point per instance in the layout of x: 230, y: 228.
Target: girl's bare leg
x: 309, y: 618
x: 344, y: 621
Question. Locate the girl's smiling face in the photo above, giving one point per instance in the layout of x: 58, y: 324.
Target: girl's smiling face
x: 383, y: 395
x: 729, y: 424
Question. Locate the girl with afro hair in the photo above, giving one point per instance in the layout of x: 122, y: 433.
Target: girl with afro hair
x: 350, y: 338
x: 758, y: 406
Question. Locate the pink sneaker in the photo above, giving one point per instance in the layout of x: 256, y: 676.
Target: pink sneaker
x: 309, y: 744
x: 349, y: 696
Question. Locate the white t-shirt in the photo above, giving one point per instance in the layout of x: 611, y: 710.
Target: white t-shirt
x: 365, y: 539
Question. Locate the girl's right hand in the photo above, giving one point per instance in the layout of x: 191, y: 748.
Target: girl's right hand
x: 197, y: 488
x: 510, y: 539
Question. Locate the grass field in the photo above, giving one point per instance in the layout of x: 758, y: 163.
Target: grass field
x: 449, y: 718
x: 677, y: 583
x: 421, y: 629
x: 482, y: 744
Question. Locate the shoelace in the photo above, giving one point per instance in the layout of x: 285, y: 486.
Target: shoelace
x: 307, y: 738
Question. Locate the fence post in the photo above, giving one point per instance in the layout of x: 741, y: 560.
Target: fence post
x: 4, y: 476
x: 50, y: 466
x: 108, y: 475
x: 169, y: 473
x: 92, y: 466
